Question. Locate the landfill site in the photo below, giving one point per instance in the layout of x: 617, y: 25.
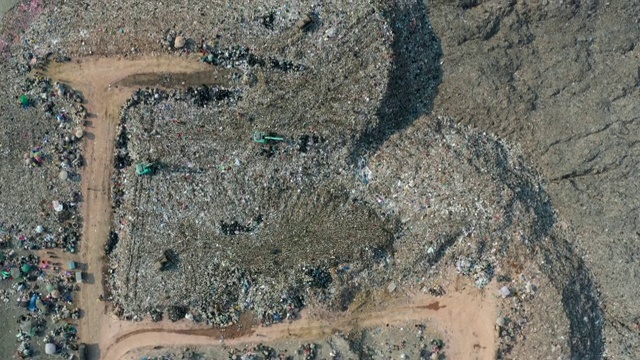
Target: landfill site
x: 386, y: 179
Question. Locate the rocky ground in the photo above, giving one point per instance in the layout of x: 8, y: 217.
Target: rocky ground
x: 546, y: 207
x: 562, y: 81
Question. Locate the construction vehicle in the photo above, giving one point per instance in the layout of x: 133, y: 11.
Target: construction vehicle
x: 144, y: 168
x: 263, y: 138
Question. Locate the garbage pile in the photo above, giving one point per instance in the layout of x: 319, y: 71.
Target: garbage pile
x: 308, y: 351
x: 236, y: 56
x: 411, y: 340
x: 56, y: 156
x: 70, y: 115
x: 45, y: 291
x: 62, y: 340
x: 268, y: 226
x: 187, y: 354
x: 225, y: 285
x: 41, y: 158
x: 294, y: 188
x: 239, y: 57
x: 261, y: 351
x: 271, y: 226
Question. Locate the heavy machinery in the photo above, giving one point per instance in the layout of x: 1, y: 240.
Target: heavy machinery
x: 263, y: 138
x: 144, y: 169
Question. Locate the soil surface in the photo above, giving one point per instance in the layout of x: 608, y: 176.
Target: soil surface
x: 465, y: 317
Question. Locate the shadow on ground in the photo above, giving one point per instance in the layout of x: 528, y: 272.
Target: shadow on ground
x: 580, y: 301
x: 566, y: 270
x: 89, y: 278
x: 93, y: 352
x: 413, y: 79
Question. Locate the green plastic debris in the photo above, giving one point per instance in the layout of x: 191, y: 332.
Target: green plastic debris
x: 24, y: 100
x: 26, y: 268
x: 262, y: 138
x: 437, y: 342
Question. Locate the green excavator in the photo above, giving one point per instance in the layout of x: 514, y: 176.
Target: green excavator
x: 144, y: 169
x: 262, y: 138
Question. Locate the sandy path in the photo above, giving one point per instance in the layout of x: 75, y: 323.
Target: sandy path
x: 93, y: 78
x: 466, y: 317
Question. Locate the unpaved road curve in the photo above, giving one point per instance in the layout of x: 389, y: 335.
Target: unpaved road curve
x: 93, y: 77
x: 465, y: 317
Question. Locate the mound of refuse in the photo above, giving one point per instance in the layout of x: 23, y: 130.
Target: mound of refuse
x: 298, y: 178
x: 315, y: 179
x: 224, y: 223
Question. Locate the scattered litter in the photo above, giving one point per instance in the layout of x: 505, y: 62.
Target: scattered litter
x: 57, y: 206
x: 179, y: 42
x: 504, y: 291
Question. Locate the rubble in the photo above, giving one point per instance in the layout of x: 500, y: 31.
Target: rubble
x: 179, y: 42
x: 504, y: 291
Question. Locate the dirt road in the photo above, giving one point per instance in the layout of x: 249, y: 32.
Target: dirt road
x: 96, y: 79
x: 466, y: 316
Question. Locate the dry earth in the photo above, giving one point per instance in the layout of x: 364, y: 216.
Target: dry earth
x: 465, y: 317
x: 562, y: 79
